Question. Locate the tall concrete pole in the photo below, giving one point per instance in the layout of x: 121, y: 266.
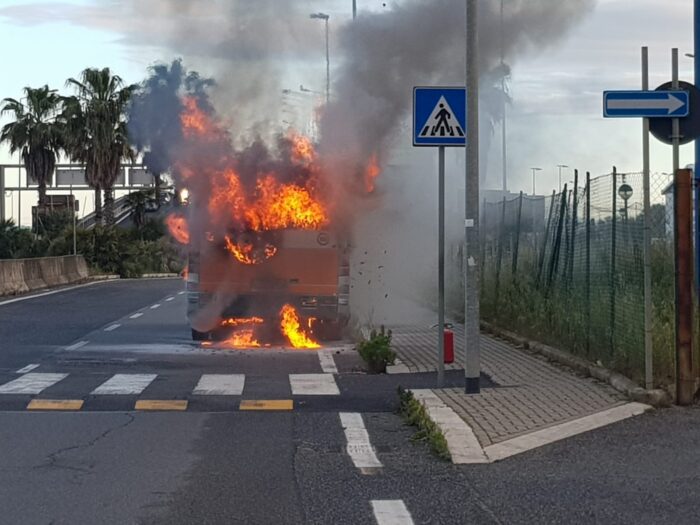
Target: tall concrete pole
x: 354, y: 9
x: 696, y: 171
x: 504, y: 160
x: 648, y: 318
x: 472, y: 351
x: 328, y: 66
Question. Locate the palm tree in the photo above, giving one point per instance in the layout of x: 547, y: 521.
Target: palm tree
x: 35, y: 132
x: 96, y: 124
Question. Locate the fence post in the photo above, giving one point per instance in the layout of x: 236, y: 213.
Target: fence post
x: 516, y: 247
x: 613, y: 261
x: 588, y: 263
x: 556, y: 249
x: 499, y: 256
x: 683, y: 240
x: 574, y: 223
x: 544, y: 241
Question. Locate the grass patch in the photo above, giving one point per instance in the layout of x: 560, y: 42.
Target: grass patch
x: 415, y: 414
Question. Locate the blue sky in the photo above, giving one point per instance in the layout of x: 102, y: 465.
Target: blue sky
x: 556, y: 114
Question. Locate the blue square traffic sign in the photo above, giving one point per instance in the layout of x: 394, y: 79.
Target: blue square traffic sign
x: 439, y: 116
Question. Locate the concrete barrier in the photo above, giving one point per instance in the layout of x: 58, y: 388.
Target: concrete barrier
x: 25, y: 275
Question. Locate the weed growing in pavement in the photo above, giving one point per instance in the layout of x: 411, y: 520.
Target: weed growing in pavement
x: 414, y: 414
x: 376, y: 351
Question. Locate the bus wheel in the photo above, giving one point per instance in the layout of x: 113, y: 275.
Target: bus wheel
x: 199, y: 336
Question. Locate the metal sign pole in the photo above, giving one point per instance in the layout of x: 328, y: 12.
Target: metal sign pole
x: 2, y: 194
x: 472, y: 357
x: 648, y: 321
x: 441, y: 268
x: 675, y: 123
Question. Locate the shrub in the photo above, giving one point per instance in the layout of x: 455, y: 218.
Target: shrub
x: 414, y: 414
x: 376, y: 351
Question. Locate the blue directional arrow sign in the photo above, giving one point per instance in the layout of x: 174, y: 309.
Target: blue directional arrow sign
x: 439, y: 116
x: 647, y: 104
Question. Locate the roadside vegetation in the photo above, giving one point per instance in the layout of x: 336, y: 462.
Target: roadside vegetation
x: 414, y: 414
x: 87, y: 126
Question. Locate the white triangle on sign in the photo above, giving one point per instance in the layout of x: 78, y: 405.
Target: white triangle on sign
x: 441, y: 122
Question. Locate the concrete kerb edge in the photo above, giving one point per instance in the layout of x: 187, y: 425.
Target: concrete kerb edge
x: 657, y: 398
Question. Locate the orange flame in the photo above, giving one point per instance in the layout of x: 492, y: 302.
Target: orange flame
x: 291, y: 328
x: 178, y: 228
x: 302, y: 148
x: 237, y: 321
x: 372, y: 171
x: 194, y: 121
x: 242, y: 339
x: 246, y: 253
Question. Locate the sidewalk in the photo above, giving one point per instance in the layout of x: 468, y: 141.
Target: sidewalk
x: 531, y: 394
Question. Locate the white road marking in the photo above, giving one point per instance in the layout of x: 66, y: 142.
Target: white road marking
x: 155, y: 306
x: 359, y: 447
x: 549, y: 435
x: 27, y: 368
x: 170, y: 298
x: 181, y: 293
x: 44, y: 294
x: 136, y: 315
x: 112, y: 327
x: 461, y: 441
x: 391, y: 512
x: 313, y: 385
x: 327, y: 362
x: 124, y: 384
x: 77, y: 345
x: 220, y: 385
x: 32, y: 383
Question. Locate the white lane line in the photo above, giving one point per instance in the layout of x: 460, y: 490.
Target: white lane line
x: 124, y: 384
x: 77, y: 345
x: 27, y: 368
x: 136, y: 315
x: 391, y: 512
x: 112, y: 327
x: 52, y: 292
x: 181, y: 293
x: 313, y: 385
x: 220, y: 385
x: 359, y: 447
x: 549, y: 435
x: 170, y: 298
x: 327, y: 362
x: 32, y: 383
x: 155, y: 306
x: 463, y: 445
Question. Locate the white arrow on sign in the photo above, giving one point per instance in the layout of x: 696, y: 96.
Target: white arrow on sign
x: 671, y: 103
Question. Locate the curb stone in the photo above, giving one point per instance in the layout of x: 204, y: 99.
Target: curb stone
x: 657, y: 397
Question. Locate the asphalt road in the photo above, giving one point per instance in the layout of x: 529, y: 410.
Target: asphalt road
x: 214, y: 463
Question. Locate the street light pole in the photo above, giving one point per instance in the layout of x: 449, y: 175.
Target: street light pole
x: 504, y: 161
x: 354, y: 9
x: 325, y: 17
x: 560, y: 166
x: 534, y: 170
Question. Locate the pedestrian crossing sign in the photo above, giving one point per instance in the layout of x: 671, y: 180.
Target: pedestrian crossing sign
x: 439, y: 116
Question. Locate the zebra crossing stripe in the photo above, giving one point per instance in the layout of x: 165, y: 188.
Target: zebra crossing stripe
x: 220, y: 385
x: 327, y: 363
x: 27, y: 368
x: 31, y: 383
x: 391, y: 512
x: 313, y: 385
x: 124, y: 384
x: 359, y: 447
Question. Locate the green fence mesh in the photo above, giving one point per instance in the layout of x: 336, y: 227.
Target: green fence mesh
x: 568, y: 270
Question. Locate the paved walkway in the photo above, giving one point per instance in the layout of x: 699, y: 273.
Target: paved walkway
x: 530, y: 393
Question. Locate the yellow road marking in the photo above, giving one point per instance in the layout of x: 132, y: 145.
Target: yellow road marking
x: 161, y: 404
x: 267, y: 404
x: 55, y: 404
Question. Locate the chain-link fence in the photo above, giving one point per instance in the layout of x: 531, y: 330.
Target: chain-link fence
x: 568, y: 270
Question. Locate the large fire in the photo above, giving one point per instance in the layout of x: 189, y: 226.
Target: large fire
x: 178, y: 228
x: 291, y: 328
x: 243, y: 334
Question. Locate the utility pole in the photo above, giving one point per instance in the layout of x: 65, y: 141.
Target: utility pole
x: 354, y: 9
x: 472, y: 351
x: 534, y: 170
x: 504, y: 162
x: 325, y: 17
x: 648, y: 318
x: 696, y: 171
x: 2, y: 194
x: 560, y: 166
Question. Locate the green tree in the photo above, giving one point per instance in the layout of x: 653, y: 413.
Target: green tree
x: 95, y: 121
x: 35, y: 132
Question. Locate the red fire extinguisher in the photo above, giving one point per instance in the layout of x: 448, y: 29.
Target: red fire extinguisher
x: 449, y: 344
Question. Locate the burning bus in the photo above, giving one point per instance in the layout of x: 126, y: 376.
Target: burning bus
x: 265, y: 263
